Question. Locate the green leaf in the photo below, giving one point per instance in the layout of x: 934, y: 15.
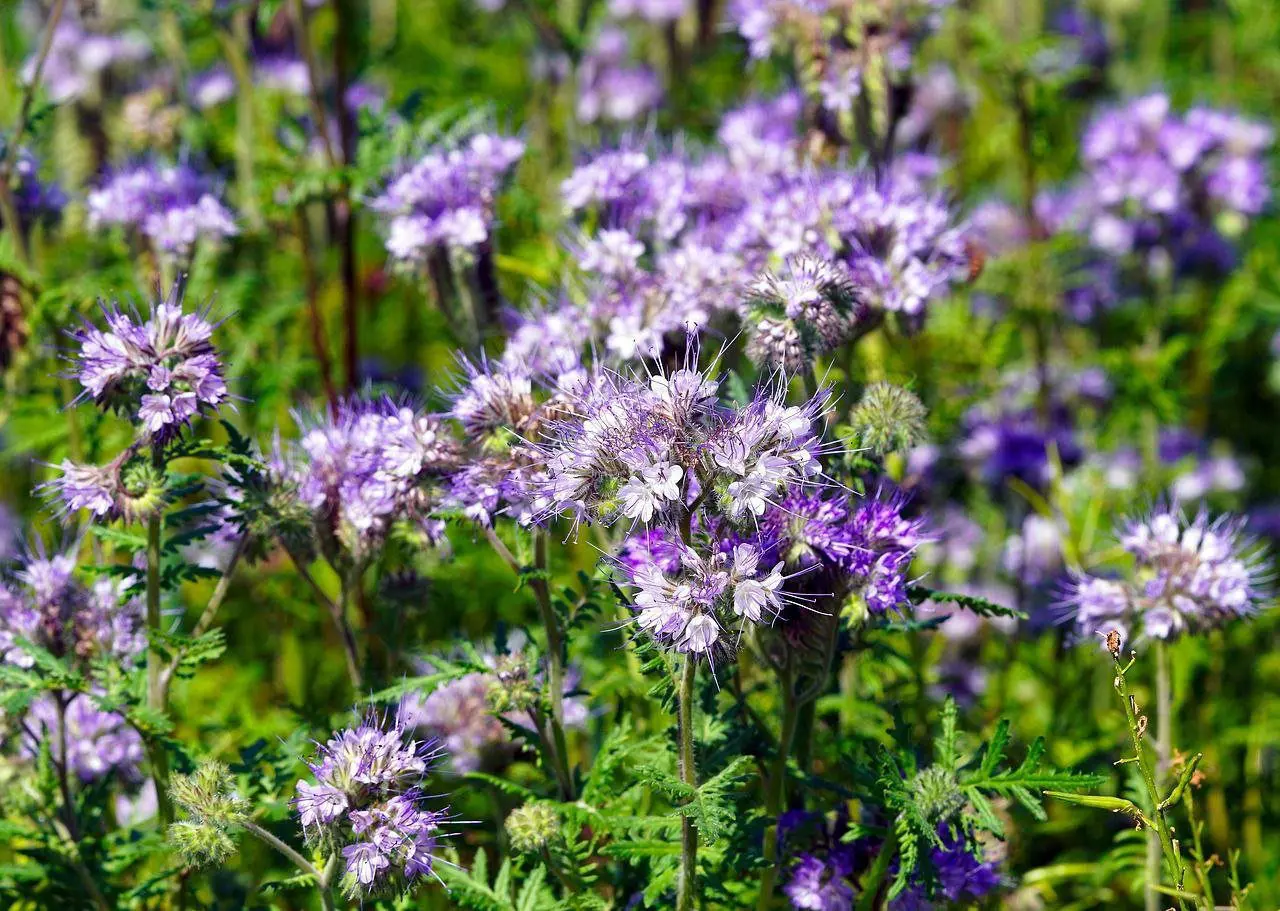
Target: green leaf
x: 972, y: 603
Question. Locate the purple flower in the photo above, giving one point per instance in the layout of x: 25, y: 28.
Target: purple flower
x: 98, y: 743
x: 172, y: 206
x: 162, y: 371
x: 818, y: 884
x: 367, y: 801
x: 365, y: 465
x: 445, y: 199
x: 34, y: 200
x: 78, y: 58
x: 43, y: 602
x: 608, y: 88
x: 1189, y: 576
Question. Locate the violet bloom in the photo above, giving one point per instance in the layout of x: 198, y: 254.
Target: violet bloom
x: 162, y: 371
x: 1161, y: 185
x: 365, y: 465
x: 211, y: 87
x: 445, y: 200
x: 34, y: 200
x: 821, y: 884
x: 658, y: 11
x: 42, y: 602
x: 368, y: 803
x: 98, y: 744
x: 1188, y: 576
x: 78, y: 58
x: 958, y: 876
x: 609, y: 88
x: 172, y: 206
x: 802, y: 311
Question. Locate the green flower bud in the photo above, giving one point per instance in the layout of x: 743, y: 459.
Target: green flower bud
x: 201, y: 844
x: 532, y: 827
x: 889, y: 418
x: 937, y: 794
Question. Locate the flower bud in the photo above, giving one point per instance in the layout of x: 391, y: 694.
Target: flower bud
x: 532, y: 827
x: 888, y: 419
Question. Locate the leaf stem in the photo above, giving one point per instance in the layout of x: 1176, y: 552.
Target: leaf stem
x: 1159, y: 816
x: 775, y: 786
x: 874, y: 883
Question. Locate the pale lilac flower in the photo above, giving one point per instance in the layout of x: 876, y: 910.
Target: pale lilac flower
x: 162, y: 371
x: 368, y: 803
x: 1188, y: 576
x: 98, y: 743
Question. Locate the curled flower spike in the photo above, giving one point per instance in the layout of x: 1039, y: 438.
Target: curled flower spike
x: 171, y: 205
x: 130, y: 488
x: 804, y: 310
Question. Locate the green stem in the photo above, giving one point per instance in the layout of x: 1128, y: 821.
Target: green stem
x: 555, y: 662
x: 155, y: 658
x: 235, y: 46
x: 340, y: 612
x: 1158, y: 816
x: 874, y: 883
x: 687, y: 883
x: 775, y: 792
x: 1163, y: 739
x: 322, y: 879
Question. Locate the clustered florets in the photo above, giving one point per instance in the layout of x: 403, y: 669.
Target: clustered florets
x: 172, y: 206
x: 362, y: 466
x: 98, y: 743
x: 44, y: 603
x: 1189, y: 576
x: 445, y: 200
x: 161, y: 371
x: 800, y: 312
x: 367, y: 802
x: 1161, y: 183
x: 639, y: 450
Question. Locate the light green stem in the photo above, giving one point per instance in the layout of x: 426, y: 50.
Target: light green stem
x: 322, y: 879
x: 155, y: 658
x: 872, y: 885
x: 687, y: 884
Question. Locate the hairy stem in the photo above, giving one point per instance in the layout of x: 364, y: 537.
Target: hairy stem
x: 322, y: 879
x: 687, y: 883
x: 208, y: 614
x: 311, y: 285
x: 155, y: 659
x: 873, y: 885
x: 340, y: 611
x: 1163, y: 739
x: 64, y: 783
x: 1159, y: 817
x: 235, y: 47
x: 555, y: 660
x: 775, y: 788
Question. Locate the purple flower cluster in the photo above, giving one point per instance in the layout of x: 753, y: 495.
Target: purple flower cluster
x: 610, y: 89
x: 637, y: 450
x: 445, y: 200
x: 1013, y: 433
x: 161, y: 371
x: 864, y: 547
x: 98, y: 743
x: 368, y: 802
x: 824, y: 880
x: 34, y: 199
x: 1166, y: 186
x: 78, y: 58
x: 43, y: 603
x: 1188, y: 576
x: 172, y: 206
x: 362, y: 466
x: 803, y: 311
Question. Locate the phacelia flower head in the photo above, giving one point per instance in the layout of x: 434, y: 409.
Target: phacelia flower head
x: 801, y: 311
x: 1189, y: 575
x: 161, y: 371
x: 821, y: 883
x: 172, y: 206
x: 363, y: 465
x: 445, y: 200
x: 43, y: 602
x: 367, y: 802
x: 98, y: 743
x: 1167, y: 186
x: 130, y: 487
